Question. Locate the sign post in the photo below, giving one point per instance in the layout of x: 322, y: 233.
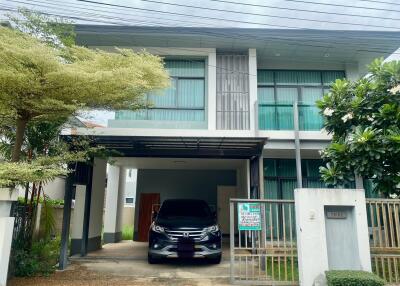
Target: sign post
x: 249, y: 216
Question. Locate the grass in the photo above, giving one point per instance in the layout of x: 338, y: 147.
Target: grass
x: 127, y: 232
x: 268, y: 268
x: 282, y: 271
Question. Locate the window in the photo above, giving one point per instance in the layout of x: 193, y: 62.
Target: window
x: 129, y: 200
x: 184, y: 100
x: 278, y: 90
x: 280, y: 177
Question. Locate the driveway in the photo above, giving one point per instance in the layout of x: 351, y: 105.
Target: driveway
x: 125, y: 264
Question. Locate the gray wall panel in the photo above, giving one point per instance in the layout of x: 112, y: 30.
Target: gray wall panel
x: 233, y: 110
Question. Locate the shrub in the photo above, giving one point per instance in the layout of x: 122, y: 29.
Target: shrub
x: 352, y: 278
x: 127, y: 232
x: 41, y: 259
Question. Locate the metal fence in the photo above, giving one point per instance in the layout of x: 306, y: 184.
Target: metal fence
x: 384, y: 230
x: 264, y: 252
x: 22, y: 233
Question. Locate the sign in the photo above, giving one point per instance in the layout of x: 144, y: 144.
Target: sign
x: 249, y: 216
x: 336, y: 215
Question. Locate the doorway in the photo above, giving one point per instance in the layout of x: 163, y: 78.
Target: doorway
x: 224, y: 193
x: 147, y: 201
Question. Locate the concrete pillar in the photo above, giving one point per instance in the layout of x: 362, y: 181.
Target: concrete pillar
x: 247, y: 181
x: 96, y: 210
x: 97, y: 204
x: 66, y: 220
x: 115, y: 196
x: 253, y: 89
x: 255, y: 177
x: 77, y: 219
x: 212, y: 90
x: 7, y: 196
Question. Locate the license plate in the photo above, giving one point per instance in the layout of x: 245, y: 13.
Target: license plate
x: 185, y: 245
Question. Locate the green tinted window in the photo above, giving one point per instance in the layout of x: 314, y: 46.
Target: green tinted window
x: 184, y: 100
x: 278, y: 90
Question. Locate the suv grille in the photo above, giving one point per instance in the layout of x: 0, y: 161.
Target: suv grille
x: 195, y: 234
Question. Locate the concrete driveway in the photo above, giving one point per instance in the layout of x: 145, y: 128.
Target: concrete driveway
x: 125, y: 263
x: 129, y: 259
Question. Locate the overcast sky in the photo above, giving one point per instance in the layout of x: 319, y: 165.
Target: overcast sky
x: 321, y: 14
x: 314, y: 14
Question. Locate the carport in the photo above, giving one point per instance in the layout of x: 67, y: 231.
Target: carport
x: 197, y: 150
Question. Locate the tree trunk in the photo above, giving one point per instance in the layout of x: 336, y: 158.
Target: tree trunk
x: 19, y: 139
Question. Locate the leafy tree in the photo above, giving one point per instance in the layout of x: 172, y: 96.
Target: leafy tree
x: 363, y: 118
x: 54, y: 31
x: 40, y: 82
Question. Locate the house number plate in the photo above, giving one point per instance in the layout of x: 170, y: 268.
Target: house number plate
x: 336, y: 215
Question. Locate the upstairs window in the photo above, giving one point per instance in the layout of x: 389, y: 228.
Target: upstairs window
x: 278, y: 90
x: 184, y: 100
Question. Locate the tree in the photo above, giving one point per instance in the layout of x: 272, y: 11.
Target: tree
x: 41, y: 82
x: 54, y: 31
x: 363, y: 118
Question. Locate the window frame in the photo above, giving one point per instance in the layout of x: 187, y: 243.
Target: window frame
x: 299, y: 87
x: 176, y: 99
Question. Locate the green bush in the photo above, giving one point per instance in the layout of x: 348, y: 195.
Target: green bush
x: 352, y: 278
x: 127, y: 232
x: 59, y: 202
x: 41, y: 259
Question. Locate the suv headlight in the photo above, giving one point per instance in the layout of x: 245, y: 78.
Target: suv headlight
x: 157, y: 228
x: 213, y: 228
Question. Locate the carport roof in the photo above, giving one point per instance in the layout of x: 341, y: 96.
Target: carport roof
x: 178, y: 146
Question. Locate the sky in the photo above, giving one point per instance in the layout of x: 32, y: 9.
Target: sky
x: 321, y: 14
x: 383, y: 15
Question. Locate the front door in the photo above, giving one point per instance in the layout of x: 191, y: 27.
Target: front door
x: 146, y: 205
x: 224, y: 194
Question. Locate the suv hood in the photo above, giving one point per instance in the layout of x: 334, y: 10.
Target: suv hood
x: 186, y: 222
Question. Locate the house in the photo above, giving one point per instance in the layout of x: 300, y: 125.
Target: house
x: 239, y: 119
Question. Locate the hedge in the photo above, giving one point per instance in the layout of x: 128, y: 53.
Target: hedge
x: 353, y: 278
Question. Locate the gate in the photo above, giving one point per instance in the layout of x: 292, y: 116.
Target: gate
x: 263, y: 243
x: 384, y: 231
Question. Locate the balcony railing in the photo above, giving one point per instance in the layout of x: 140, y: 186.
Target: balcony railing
x: 281, y: 117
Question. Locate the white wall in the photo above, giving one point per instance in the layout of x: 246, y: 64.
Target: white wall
x: 6, y: 231
x: 312, y: 247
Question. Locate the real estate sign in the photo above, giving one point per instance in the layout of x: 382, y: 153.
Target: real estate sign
x: 249, y: 216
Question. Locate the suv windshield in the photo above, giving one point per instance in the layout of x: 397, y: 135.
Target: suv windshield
x: 184, y: 208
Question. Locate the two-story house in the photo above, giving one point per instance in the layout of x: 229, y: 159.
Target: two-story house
x: 239, y: 119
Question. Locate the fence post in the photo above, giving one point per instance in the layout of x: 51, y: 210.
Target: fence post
x: 232, y: 238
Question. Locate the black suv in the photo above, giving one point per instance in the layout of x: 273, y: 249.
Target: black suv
x: 184, y: 228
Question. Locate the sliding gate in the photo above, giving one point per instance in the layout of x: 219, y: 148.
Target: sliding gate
x: 263, y: 242
x: 384, y: 230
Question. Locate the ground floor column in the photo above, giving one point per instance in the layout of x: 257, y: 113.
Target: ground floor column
x: 87, y: 219
x: 68, y: 188
x: 96, y: 204
x: 115, y: 196
x: 77, y: 219
x: 255, y: 177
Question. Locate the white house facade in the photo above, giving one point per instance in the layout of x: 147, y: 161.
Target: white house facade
x: 239, y: 119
